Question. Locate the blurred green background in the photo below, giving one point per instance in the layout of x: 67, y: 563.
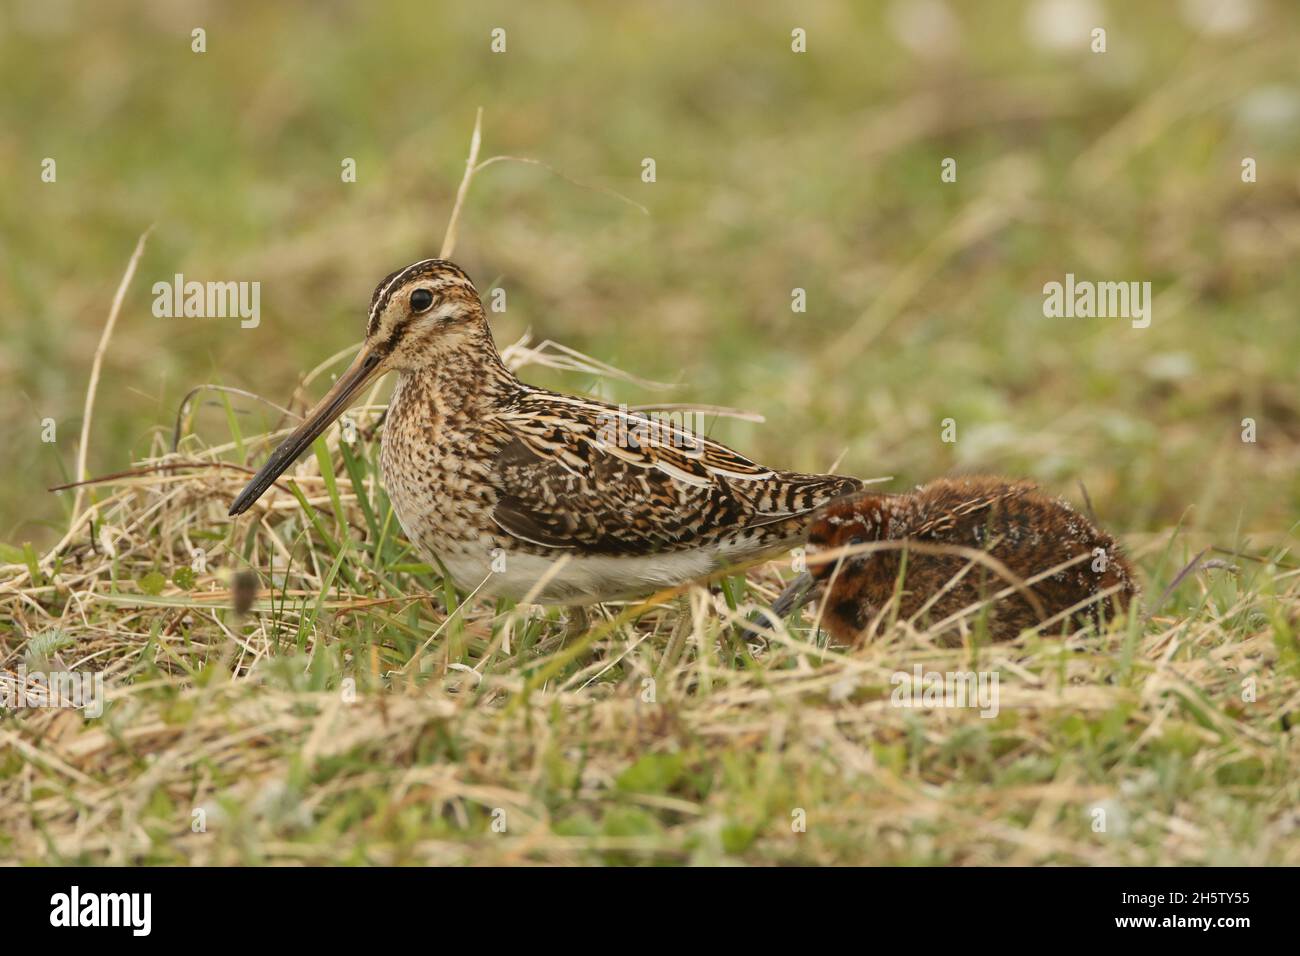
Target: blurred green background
x: 775, y: 170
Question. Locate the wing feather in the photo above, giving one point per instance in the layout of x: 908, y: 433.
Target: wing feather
x: 578, y: 474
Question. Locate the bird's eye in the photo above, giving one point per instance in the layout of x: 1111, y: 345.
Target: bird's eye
x: 855, y: 541
x: 421, y: 300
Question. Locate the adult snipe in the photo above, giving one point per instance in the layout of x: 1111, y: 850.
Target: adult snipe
x: 498, y: 480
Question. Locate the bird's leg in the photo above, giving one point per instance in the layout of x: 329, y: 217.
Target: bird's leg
x: 578, y: 621
x: 681, y: 627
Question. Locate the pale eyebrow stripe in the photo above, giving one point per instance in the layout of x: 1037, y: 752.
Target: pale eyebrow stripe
x: 382, y: 299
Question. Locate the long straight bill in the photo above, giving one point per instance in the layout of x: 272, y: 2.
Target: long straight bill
x: 336, y: 400
x: 796, y: 594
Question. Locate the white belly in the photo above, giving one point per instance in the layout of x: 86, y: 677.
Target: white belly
x: 571, y: 579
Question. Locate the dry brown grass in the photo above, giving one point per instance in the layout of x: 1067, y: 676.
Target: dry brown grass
x: 249, y: 720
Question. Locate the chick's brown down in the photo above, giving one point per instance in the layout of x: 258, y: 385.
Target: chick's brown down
x: 957, y: 542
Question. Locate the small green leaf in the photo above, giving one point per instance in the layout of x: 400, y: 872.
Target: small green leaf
x: 152, y: 583
x: 737, y: 837
x: 184, y: 577
x: 629, y: 822
x: 33, y: 564
x: 40, y: 646
x: 653, y: 773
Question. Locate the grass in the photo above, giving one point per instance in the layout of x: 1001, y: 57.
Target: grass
x: 362, y: 711
x: 352, y: 723
x: 329, y: 727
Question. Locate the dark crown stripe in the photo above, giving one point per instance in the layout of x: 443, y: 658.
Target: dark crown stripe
x: 385, y: 290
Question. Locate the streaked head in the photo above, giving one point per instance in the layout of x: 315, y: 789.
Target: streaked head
x: 417, y: 316
x: 422, y: 311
